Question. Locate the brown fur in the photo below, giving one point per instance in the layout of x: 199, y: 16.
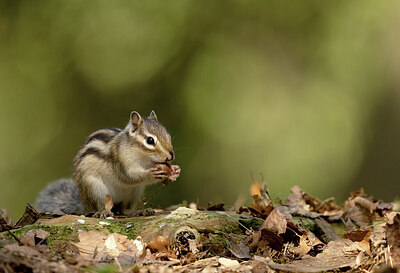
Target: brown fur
x: 117, y: 162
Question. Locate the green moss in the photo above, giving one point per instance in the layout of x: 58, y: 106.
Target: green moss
x: 58, y: 233
x: 107, y: 269
x: 65, y: 232
x: 121, y: 228
x: 250, y: 223
x: 339, y: 228
x: 216, y: 243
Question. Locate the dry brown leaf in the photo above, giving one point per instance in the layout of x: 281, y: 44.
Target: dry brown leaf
x: 390, y: 216
x: 356, y: 193
x: 303, y: 247
x: 275, y: 222
x: 23, y: 251
x: 332, y: 258
x: 228, y: 263
x: 383, y: 207
x: 255, y: 189
x: 193, y: 246
x: 357, y: 235
x: 300, y: 199
x: 96, y: 245
x: 308, y: 244
x: 34, y: 237
x: 349, y: 225
x: 108, y: 202
x: 295, y: 198
x: 393, y: 239
x: 89, y: 241
x: 239, y: 249
x: 262, y: 203
x: 264, y: 238
x: 263, y: 207
x: 357, y: 213
x: 115, y: 243
x: 364, y: 202
x: 316, y: 244
x: 6, y: 223
x: 361, y: 237
x: 15, y: 258
x: 29, y: 217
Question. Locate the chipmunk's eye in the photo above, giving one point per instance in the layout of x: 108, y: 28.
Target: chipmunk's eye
x: 150, y: 140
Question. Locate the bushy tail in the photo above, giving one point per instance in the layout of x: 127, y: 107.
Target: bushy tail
x: 60, y: 197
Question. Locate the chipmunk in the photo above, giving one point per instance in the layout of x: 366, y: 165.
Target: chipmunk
x: 114, y: 163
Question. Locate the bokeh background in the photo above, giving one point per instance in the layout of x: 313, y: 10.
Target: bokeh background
x: 305, y: 92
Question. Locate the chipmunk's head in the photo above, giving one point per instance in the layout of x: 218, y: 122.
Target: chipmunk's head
x: 150, y: 139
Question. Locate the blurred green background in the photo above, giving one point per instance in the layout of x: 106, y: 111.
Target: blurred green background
x: 305, y: 92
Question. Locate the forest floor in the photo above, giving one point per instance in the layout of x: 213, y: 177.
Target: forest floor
x: 299, y: 234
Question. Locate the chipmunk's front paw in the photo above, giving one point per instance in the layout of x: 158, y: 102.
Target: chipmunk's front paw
x: 103, y: 214
x: 159, y: 173
x: 175, y: 172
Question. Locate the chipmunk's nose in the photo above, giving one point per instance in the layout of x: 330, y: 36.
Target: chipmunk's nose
x: 172, y: 156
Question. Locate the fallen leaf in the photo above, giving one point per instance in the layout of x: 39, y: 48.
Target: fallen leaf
x: 255, y: 189
x: 357, y: 213
x: 137, y: 246
x: 6, y: 223
x: 295, y: 198
x: 356, y: 193
x: 263, y: 207
x: 332, y: 258
x: 383, y: 207
x: 89, y: 241
x: 24, y: 251
x: 114, y: 244
x: 275, y: 222
x: 300, y: 199
x: 393, y: 239
x: 356, y: 235
x: 108, y: 202
x: 193, y: 246
x: 34, y: 237
x: 361, y: 237
x: 29, y: 217
x: 303, y: 247
x: 240, y: 250
x: 349, y: 225
x: 264, y: 238
x: 228, y: 263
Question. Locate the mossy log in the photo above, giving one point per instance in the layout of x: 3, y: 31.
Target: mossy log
x: 214, y: 230
x: 210, y: 228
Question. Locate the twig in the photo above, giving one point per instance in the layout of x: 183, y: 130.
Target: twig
x: 249, y: 230
x: 9, y: 232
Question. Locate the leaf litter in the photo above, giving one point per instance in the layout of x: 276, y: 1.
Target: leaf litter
x: 300, y: 234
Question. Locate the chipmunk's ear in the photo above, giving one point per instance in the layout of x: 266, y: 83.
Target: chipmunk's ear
x: 136, y: 121
x: 153, y: 116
